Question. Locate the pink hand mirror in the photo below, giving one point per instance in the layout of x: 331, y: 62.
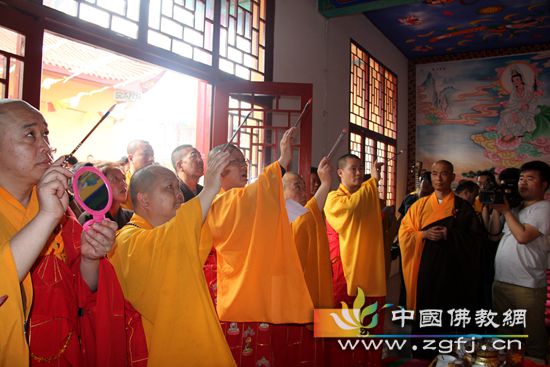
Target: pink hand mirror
x: 93, y: 193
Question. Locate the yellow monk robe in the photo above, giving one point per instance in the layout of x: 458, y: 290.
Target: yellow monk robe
x: 128, y: 203
x: 310, y: 236
x: 357, y: 219
x: 13, y: 346
x: 425, y: 211
x: 161, y: 275
x: 260, y: 277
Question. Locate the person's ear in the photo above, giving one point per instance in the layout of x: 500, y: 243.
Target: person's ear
x: 130, y: 158
x: 178, y: 166
x: 143, y: 199
x: 339, y: 171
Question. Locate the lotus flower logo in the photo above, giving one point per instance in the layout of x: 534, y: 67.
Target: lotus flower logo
x: 354, y: 319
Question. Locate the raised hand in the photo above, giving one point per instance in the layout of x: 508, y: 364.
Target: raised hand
x: 217, y: 162
x: 324, y: 171
x: 375, y: 170
x: 97, y: 241
x: 286, y: 147
x: 52, y: 190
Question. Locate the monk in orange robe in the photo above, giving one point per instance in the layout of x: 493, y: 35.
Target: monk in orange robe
x: 310, y: 233
x: 156, y: 258
x: 63, y: 297
x: 259, y: 278
x: 353, y: 211
x: 310, y: 236
x: 441, y: 241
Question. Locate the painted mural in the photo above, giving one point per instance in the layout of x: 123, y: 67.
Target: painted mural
x: 484, y: 113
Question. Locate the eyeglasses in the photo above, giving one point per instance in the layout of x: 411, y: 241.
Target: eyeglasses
x: 239, y: 162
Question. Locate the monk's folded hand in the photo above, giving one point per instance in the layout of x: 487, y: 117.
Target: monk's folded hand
x: 52, y: 190
x: 97, y: 241
x: 435, y: 233
x: 286, y: 147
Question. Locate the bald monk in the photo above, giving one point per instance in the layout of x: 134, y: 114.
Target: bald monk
x: 66, y: 300
x: 441, y: 241
x: 258, y: 280
x: 156, y: 258
x: 310, y: 233
x: 310, y: 237
x: 353, y: 211
x: 140, y: 154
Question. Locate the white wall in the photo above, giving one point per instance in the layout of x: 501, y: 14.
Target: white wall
x: 308, y: 48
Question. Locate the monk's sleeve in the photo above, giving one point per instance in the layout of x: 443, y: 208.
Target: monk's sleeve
x: 13, y: 347
x: 259, y: 273
x: 341, y: 209
x: 411, y: 244
x: 324, y: 297
x: 140, y: 255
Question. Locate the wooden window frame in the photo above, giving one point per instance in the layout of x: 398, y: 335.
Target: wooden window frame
x: 365, y: 133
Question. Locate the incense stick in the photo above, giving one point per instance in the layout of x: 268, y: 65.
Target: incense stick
x: 88, y: 135
x: 302, y: 113
x: 236, y: 131
x: 338, y: 140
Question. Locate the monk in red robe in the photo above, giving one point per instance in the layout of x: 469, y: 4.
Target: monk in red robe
x: 64, y: 301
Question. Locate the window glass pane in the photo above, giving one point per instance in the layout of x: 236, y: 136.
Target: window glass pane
x: 183, y: 27
x: 12, y: 42
x: 120, y: 16
x: 15, y: 78
x: 242, y: 38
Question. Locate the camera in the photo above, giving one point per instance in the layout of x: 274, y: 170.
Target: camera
x: 492, y: 194
x: 508, y: 188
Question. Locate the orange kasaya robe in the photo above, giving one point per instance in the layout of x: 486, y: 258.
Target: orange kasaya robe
x: 128, y: 203
x: 425, y: 211
x: 451, y: 270
x: 357, y: 220
x: 67, y: 324
x: 259, y: 275
x: 161, y: 275
x: 311, y: 240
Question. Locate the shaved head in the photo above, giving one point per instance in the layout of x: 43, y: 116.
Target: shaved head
x: 343, y: 160
x: 11, y: 109
x: 294, y: 187
x: 134, y: 145
x: 178, y: 153
x: 145, y: 179
x: 25, y: 151
x: 230, y: 148
x: 448, y: 164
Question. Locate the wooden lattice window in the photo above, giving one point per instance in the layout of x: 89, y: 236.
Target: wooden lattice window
x: 373, y: 117
x: 120, y: 16
x: 185, y: 27
x: 12, y: 61
x: 243, y: 38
